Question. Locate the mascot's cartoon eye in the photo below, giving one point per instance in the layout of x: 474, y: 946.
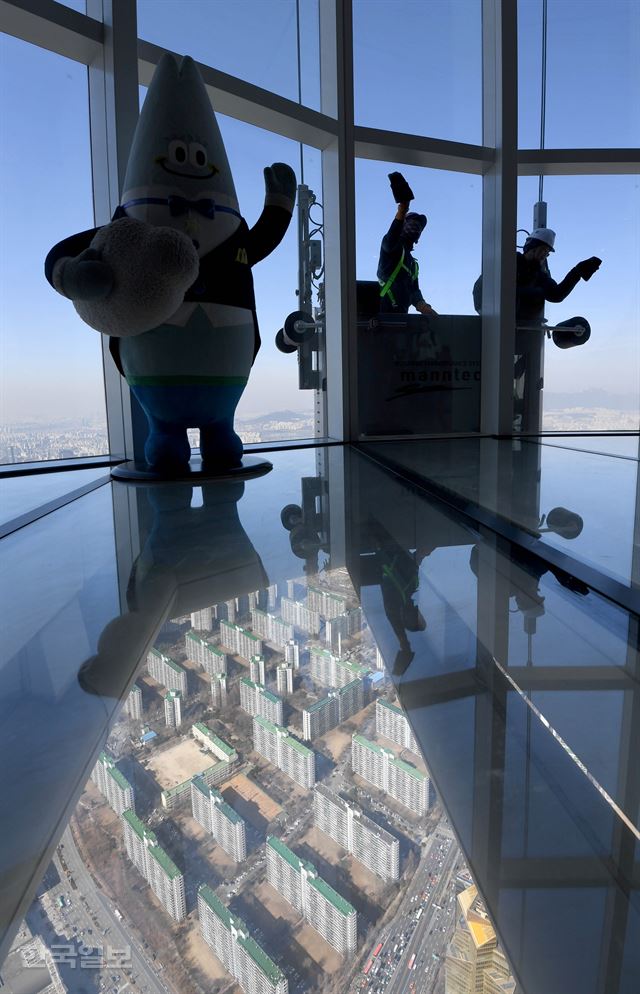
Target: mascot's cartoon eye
x: 178, y: 152
x: 197, y: 154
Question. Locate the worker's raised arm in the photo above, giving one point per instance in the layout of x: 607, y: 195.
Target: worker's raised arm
x: 391, y: 241
x: 271, y: 226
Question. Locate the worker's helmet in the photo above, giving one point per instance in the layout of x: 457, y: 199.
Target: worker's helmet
x: 544, y: 235
x: 420, y: 219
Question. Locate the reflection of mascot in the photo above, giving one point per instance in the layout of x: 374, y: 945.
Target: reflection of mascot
x: 193, y: 557
x: 169, y: 279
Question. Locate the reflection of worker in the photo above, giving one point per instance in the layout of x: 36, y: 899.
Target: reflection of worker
x: 534, y: 284
x: 397, y: 269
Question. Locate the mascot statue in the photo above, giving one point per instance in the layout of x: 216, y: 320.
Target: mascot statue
x: 169, y: 279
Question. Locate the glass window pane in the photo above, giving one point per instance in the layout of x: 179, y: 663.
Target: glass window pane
x: 418, y: 67
x: 255, y: 40
x: 414, y: 378
x: 593, y: 73
x: 52, y: 382
x: 597, y: 386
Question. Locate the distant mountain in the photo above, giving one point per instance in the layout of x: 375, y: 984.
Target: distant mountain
x: 591, y: 399
x: 258, y: 419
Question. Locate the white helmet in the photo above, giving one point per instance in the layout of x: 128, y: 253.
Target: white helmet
x: 545, y: 235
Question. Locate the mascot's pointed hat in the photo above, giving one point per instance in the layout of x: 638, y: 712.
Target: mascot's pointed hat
x: 177, y: 109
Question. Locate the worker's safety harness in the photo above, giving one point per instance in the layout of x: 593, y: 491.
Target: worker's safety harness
x: 386, y: 287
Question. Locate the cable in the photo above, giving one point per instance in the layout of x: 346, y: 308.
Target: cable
x: 299, y: 83
x: 543, y: 93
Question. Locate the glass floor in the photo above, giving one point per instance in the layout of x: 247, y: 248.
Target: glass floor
x: 361, y: 724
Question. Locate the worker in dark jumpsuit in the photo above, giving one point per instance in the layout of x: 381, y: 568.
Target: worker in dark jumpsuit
x: 397, y: 269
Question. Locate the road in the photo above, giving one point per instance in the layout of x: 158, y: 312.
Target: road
x: 431, y: 889
x: 144, y: 976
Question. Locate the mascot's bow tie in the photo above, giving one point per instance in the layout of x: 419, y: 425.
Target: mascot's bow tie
x: 180, y: 205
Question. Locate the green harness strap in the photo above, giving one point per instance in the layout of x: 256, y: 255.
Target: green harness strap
x: 386, y: 287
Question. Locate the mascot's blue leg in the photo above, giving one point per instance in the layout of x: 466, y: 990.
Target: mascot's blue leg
x: 220, y: 447
x: 167, y: 446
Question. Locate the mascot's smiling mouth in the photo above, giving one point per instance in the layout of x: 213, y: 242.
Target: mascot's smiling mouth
x: 162, y: 160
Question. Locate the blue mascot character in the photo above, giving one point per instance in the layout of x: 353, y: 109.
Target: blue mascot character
x: 169, y: 279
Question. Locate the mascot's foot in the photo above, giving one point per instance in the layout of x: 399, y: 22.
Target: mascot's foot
x: 195, y: 472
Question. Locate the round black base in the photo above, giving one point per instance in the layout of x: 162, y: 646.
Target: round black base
x: 133, y: 472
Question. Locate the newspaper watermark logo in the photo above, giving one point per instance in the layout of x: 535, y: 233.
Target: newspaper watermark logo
x: 80, y: 957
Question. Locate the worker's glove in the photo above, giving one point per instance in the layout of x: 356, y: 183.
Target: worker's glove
x: 402, y: 192
x: 280, y: 185
x: 85, y: 277
x: 588, y: 267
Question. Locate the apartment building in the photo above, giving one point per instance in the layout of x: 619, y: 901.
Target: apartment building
x: 239, y: 641
x: 219, y: 690
x: 392, y: 722
x: 203, y: 620
x: 347, y: 825
x: 210, y: 657
x: 133, y: 703
x: 292, y: 654
x: 254, y: 699
x: 284, y: 751
x: 239, y: 953
x: 160, y: 872
x: 300, y: 615
x: 271, y: 627
x: 219, y: 819
x: 342, y: 626
x: 300, y: 884
x: 325, y: 602
x: 383, y: 770
x: 113, y: 784
x: 173, y: 708
x: 333, y: 709
x: 331, y: 671
x: 258, y: 670
x: 166, y: 671
x: 284, y: 678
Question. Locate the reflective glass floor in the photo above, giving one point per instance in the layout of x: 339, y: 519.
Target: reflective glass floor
x: 325, y: 732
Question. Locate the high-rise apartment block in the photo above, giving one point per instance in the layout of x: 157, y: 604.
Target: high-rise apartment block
x: 284, y: 678
x: 166, y: 671
x: 173, y: 708
x: 209, y: 740
x: 202, y: 620
x: 473, y: 961
x: 333, y: 709
x: 254, y: 699
x: 391, y: 722
x: 298, y: 614
x: 325, y: 602
x: 133, y: 703
x: 271, y: 627
x: 342, y: 626
x: 160, y: 872
x: 219, y: 690
x: 239, y: 953
x: 239, y: 641
x: 284, y: 751
x: 292, y: 654
x: 379, y: 660
x: 113, y: 784
x: 371, y: 845
x: 258, y: 670
x: 207, y: 655
x: 230, y: 609
x: 400, y: 780
x: 219, y: 819
x: 331, y: 671
x: 299, y: 883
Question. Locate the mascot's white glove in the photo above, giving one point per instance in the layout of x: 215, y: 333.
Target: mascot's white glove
x: 280, y: 186
x: 132, y: 278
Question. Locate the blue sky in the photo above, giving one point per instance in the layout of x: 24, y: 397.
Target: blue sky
x: 417, y: 68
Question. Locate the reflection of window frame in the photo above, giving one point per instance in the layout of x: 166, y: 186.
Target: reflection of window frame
x: 106, y: 41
